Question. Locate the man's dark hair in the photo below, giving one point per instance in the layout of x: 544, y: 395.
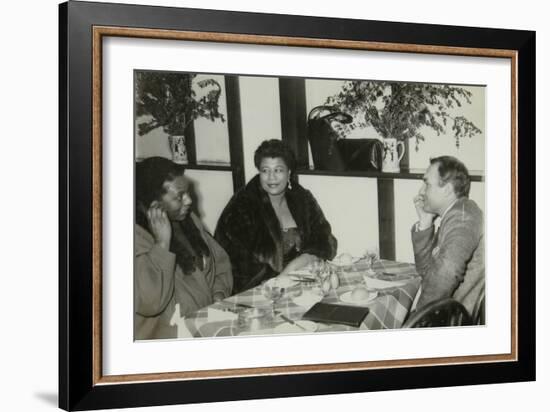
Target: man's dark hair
x: 151, y: 174
x: 453, y: 170
x: 275, y: 148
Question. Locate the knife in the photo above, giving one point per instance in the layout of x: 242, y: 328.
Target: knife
x: 293, y: 323
x: 242, y: 305
x: 297, y: 278
x: 305, y: 280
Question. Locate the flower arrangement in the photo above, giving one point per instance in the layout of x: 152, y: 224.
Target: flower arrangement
x: 171, y: 101
x: 400, y: 110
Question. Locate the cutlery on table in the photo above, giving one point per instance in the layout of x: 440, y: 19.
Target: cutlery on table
x: 242, y: 305
x: 292, y: 322
x: 304, y: 280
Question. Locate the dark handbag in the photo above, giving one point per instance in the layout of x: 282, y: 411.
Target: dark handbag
x: 332, y: 153
x: 361, y: 154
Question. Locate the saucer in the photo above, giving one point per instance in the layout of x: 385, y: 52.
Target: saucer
x: 346, y: 298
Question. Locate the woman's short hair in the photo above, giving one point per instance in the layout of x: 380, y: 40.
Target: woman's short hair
x: 274, y: 148
x: 453, y: 170
x: 151, y: 174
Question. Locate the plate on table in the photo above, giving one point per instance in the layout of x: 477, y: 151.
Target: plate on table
x: 347, y: 298
x: 344, y: 260
x: 290, y: 328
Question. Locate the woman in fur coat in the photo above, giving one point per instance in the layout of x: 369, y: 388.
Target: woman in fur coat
x: 273, y: 225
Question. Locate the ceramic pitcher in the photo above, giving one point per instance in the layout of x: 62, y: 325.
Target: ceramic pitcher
x: 179, y: 151
x: 392, y: 157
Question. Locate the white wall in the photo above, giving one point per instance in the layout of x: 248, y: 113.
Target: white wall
x: 350, y: 204
x: 471, y: 150
x: 261, y: 116
x: 154, y: 143
x: 29, y: 345
x: 213, y: 190
x: 212, y: 137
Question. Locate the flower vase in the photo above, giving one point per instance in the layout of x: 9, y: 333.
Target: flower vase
x: 392, y: 157
x: 179, y: 151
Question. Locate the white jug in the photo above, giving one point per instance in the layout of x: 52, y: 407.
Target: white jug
x: 390, y: 163
x: 178, y: 148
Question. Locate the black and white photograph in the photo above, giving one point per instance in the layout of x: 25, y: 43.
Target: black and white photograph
x: 284, y: 205
x: 258, y: 205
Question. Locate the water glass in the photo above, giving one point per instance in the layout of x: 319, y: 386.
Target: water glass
x: 272, y: 291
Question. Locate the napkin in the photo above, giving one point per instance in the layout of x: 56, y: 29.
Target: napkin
x: 307, y: 299
x: 179, y: 321
x: 218, y: 315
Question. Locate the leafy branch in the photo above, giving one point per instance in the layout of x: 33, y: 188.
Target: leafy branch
x: 399, y: 110
x: 172, y: 103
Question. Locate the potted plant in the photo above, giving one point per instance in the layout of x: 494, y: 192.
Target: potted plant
x: 398, y: 111
x: 170, y: 100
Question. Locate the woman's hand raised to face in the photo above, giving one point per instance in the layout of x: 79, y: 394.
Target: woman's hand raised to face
x: 160, y: 225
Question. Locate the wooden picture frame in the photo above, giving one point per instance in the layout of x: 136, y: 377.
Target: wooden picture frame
x: 82, y: 384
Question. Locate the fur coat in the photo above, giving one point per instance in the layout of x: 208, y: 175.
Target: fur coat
x: 250, y: 232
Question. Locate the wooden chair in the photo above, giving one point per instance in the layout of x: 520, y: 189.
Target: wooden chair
x: 443, y: 312
x: 478, y: 313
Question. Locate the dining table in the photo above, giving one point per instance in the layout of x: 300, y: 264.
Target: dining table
x: 395, y: 287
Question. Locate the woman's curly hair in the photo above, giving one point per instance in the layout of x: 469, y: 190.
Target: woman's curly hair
x: 274, y: 148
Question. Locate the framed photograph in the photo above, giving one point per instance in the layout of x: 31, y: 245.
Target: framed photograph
x: 243, y: 200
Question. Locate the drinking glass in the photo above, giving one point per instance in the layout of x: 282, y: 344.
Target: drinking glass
x: 371, y: 256
x: 272, y: 291
x: 316, y: 267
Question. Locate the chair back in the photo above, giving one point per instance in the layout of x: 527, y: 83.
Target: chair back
x: 443, y: 312
x: 478, y: 313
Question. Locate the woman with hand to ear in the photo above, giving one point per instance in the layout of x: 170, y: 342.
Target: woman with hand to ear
x: 176, y: 260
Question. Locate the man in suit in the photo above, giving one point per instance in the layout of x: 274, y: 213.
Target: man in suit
x: 450, y: 259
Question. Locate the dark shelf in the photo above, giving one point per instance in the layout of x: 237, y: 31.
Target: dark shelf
x: 213, y: 167
x: 415, y: 175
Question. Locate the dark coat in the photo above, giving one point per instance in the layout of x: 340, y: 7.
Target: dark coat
x: 250, y: 232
